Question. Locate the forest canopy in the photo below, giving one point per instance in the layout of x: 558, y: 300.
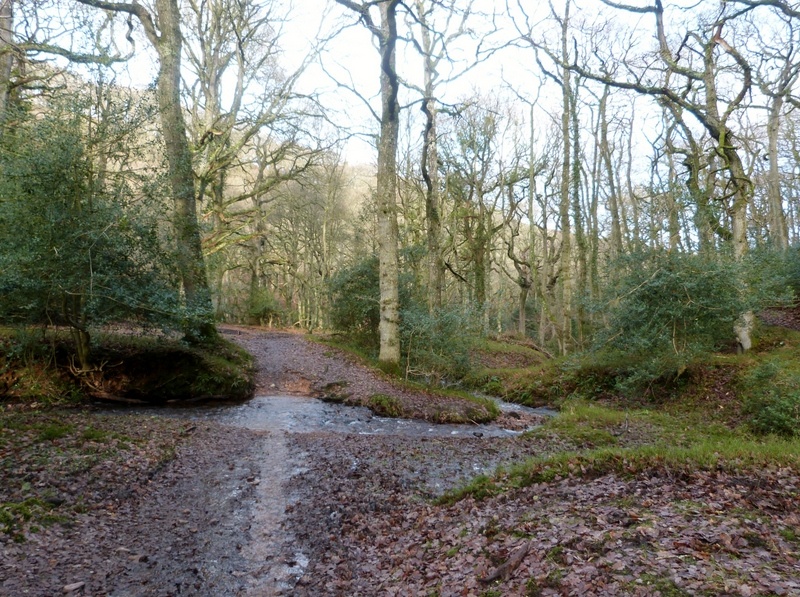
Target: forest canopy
x: 588, y: 174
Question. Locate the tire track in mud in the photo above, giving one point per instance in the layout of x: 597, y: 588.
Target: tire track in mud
x: 276, y: 564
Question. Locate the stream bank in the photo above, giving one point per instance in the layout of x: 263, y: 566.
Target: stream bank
x: 321, y: 503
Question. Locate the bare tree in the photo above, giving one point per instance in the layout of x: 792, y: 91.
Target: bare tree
x: 434, y: 39
x: 694, y: 89
x: 777, y: 75
x: 163, y: 30
x: 561, y: 74
x: 385, y: 33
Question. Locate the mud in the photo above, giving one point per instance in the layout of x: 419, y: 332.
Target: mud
x: 259, y: 500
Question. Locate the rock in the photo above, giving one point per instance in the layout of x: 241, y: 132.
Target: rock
x: 76, y: 586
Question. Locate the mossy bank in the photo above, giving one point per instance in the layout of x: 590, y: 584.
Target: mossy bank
x: 37, y: 368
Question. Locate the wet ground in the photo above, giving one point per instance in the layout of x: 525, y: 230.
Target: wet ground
x: 422, y: 459
x: 302, y: 414
x: 289, y: 495
x: 261, y: 497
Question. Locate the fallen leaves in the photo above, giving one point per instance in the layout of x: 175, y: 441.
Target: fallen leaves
x: 703, y: 532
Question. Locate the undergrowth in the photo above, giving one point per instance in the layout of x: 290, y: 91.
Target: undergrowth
x: 36, y: 369
x: 728, y: 412
x: 479, y: 409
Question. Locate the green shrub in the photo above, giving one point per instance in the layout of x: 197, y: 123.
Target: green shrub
x: 263, y: 308
x: 438, y: 345
x: 72, y: 251
x: 433, y: 346
x: 385, y: 406
x: 772, y: 400
x: 670, y: 308
x: 355, y: 296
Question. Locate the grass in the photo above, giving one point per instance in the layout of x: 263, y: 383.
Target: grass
x: 702, y: 425
x: 672, y: 446
x: 665, y: 586
x: 54, y: 431
x: 15, y: 516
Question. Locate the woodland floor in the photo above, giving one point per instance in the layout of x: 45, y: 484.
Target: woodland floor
x: 186, y: 507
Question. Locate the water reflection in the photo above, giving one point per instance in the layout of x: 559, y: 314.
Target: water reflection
x: 300, y: 414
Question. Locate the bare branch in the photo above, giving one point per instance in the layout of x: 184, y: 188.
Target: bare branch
x: 135, y: 9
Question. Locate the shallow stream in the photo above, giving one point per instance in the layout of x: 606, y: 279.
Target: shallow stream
x: 300, y: 414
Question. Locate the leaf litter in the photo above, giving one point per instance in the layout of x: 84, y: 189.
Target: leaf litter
x: 166, y: 507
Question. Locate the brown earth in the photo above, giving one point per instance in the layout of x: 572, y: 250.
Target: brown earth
x: 242, y: 512
x: 290, y: 364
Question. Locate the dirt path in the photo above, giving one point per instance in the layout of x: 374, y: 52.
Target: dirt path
x: 261, y: 502
x: 250, y: 508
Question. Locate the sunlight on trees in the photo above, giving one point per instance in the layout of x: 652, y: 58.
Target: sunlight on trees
x: 611, y: 132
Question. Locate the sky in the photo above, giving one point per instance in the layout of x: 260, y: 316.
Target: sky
x: 350, y: 58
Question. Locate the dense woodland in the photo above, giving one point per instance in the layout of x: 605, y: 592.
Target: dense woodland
x: 629, y: 184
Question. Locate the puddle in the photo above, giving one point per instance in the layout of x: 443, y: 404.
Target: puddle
x: 300, y: 414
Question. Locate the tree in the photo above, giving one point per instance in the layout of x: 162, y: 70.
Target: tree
x: 74, y: 250
x: 777, y: 76
x: 521, y: 207
x: 562, y: 75
x: 695, y: 90
x: 386, y: 36
x: 163, y: 31
x: 433, y: 46
x: 248, y: 146
x: 6, y: 53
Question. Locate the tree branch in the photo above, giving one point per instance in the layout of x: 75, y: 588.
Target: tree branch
x: 134, y: 9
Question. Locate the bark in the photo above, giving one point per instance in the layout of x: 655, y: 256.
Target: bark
x: 166, y: 38
x: 613, y: 191
x: 430, y: 174
x: 179, y: 160
x: 386, y: 35
x: 778, y: 231
x: 531, y: 281
x: 432, y: 46
x: 671, y: 205
x: 6, y: 54
x: 387, y: 189
x: 581, y: 269
x: 563, y: 297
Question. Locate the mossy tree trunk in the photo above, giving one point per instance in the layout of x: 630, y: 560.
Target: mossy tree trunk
x: 163, y: 30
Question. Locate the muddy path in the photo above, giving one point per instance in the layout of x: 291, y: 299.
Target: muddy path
x: 323, y: 465
x: 261, y: 497
x: 289, y: 495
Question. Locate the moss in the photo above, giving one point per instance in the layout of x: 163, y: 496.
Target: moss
x: 672, y: 444
x: 15, y: 515
x: 54, y: 431
x: 385, y: 406
x: 144, y: 368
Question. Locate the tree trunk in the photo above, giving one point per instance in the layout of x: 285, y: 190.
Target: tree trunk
x: 389, y: 327
x: 563, y: 305
x: 613, y: 195
x: 522, y: 324
x: 430, y: 174
x: 6, y: 54
x: 777, y: 229
x: 166, y: 38
x: 577, y: 216
x: 181, y: 178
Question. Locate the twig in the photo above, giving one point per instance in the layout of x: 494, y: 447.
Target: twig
x: 505, y: 570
